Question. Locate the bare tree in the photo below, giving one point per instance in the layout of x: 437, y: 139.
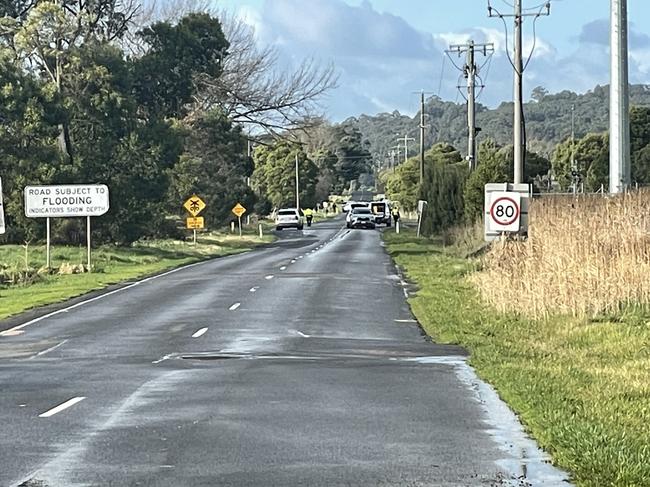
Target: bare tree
x: 253, y: 90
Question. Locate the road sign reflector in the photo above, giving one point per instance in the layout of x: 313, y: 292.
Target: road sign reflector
x: 195, y: 222
x: 239, y: 210
x: 194, y: 205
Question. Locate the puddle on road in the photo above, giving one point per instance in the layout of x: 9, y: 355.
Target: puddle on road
x: 526, y: 463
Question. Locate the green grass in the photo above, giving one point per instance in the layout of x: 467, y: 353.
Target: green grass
x: 581, y: 388
x: 110, y: 265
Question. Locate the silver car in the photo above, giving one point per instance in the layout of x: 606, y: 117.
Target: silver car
x: 360, y: 218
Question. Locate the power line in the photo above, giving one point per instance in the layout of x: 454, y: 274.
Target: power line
x: 519, y: 125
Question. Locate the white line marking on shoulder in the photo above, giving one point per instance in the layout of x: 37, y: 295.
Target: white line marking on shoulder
x: 97, y: 298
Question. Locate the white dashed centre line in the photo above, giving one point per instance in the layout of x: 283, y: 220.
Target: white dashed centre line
x: 269, y: 277
x: 234, y: 306
x: 61, y: 407
x: 293, y: 261
x: 253, y: 289
x: 200, y: 332
x: 283, y: 268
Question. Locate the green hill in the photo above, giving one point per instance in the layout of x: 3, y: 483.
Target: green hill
x: 548, y: 121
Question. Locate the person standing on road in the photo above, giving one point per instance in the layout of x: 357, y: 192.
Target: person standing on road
x: 309, y: 215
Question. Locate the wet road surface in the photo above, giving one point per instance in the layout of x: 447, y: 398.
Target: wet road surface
x: 296, y: 364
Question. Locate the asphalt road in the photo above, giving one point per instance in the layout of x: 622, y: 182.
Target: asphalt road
x: 296, y: 364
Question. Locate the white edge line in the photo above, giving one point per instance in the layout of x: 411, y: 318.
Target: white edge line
x: 302, y: 334
x: 61, y: 407
x: 234, y: 306
x: 43, y: 352
x: 200, y: 332
x: 101, y: 296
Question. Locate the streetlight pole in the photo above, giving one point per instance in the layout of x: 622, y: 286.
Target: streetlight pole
x: 297, y: 185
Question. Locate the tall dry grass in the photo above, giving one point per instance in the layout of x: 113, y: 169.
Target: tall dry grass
x: 584, y: 256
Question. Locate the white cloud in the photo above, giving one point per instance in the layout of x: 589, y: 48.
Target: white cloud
x: 382, y: 59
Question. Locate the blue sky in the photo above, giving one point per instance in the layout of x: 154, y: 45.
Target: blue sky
x: 384, y: 50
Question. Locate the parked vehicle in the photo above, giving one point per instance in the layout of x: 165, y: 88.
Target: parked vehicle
x: 360, y: 218
x: 381, y: 211
x: 350, y: 205
x: 289, y: 218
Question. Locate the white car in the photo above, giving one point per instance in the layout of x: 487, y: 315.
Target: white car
x: 289, y: 218
x: 360, y: 217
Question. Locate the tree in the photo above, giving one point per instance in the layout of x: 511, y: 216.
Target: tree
x: 538, y: 93
x: 442, y: 189
x: 46, y: 34
x: 254, y: 89
x: 492, y: 168
x: 178, y: 55
x: 591, y: 156
x: 215, y: 166
x: 29, y: 115
x: 274, y: 175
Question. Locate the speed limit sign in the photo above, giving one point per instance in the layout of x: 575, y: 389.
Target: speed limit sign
x: 504, y: 211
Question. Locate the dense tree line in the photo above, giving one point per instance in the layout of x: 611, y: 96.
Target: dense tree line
x: 548, y: 121
x: 154, y: 110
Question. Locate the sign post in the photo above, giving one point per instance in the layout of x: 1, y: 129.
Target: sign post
x: 239, y: 210
x: 2, y: 212
x: 47, y: 243
x: 88, y: 239
x: 66, y: 201
x: 194, y: 205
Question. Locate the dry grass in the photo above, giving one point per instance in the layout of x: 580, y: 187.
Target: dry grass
x: 583, y: 257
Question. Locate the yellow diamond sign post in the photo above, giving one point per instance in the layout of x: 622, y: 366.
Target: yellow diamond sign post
x: 194, y: 205
x: 239, y: 210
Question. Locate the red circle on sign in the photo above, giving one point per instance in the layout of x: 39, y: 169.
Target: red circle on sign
x: 515, y: 216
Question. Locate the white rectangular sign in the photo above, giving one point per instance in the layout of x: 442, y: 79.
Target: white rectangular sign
x: 504, y: 211
x: 2, y: 212
x: 66, y: 200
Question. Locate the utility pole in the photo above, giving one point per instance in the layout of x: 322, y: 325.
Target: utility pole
x: 518, y: 125
x: 297, y: 185
x: 422, y: 127
x: 573, y: 161
x: 406, y: 139
x: 519, y: 149
x: 619, y: 100
x: 394, y: 152
x: 470, y: 71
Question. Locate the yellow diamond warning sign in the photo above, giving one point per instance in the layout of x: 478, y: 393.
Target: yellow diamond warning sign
x: 195, y: 222
x: 194, y: 205
x: 239, y: 210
